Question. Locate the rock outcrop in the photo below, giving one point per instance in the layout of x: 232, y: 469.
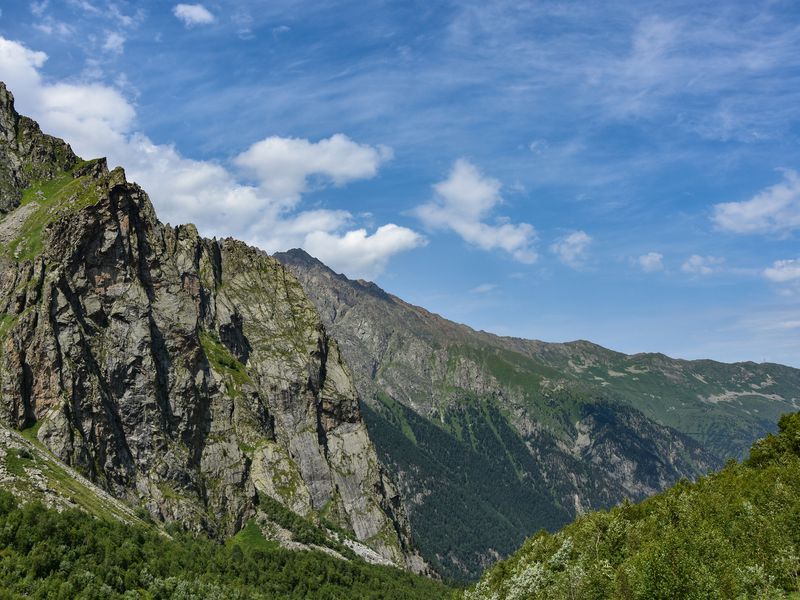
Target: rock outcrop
x: 189, y: 376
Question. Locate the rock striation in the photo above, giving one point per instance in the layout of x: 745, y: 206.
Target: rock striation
x: 192, y: 377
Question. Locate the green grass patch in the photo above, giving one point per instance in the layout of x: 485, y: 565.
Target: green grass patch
x: 223, y: 362
x: 32, y: 433
x: 65, y: 484
x: 17, y: 460
x: 251, y: 538
x: 397, y: 413
x: 6, y: 323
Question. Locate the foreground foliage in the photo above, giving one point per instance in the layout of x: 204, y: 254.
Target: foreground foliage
x: 46, y: 554
x: 734, y: 534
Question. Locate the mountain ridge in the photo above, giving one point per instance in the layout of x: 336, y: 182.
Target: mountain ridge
x: 597, y: 424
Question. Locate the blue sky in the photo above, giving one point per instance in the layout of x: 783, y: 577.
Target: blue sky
x: 622, y: 172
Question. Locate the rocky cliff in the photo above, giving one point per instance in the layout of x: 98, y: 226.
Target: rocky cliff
x: 191, y: 377
x: 520, y: 434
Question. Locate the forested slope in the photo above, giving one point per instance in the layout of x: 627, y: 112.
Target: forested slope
x: 734, y: 534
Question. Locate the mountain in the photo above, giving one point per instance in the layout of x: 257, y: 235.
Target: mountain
x: 734, y: 534
x: 190, y: 378
x: 492, y: 438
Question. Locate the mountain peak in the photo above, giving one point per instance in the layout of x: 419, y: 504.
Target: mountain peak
x: 8, y: 115
x: 192, y: 376
x: 300, y: 257
x: 27, y: 155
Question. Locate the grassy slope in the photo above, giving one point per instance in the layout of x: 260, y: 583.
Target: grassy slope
x: 733, y: 534
x: 37, y: 474
x: 47, y: 201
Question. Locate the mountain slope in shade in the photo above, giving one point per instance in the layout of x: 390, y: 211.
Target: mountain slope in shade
x: 190, y: 377
x: 492, y: 438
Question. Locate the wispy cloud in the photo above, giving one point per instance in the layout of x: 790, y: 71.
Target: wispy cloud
x: 701, y: 265
x: 483, y: 288
x: 38, y: 8
x: 572, y: 249
x: 462, y: 204
x: 360, y: 253
x: 651, y: 262
x: 115, y: 43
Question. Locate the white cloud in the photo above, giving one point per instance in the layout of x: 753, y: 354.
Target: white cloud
x: 463, y: 201
x: 115, y: 43
x: 38, y: 8
x: 98, y: 121
x: 701, y: 265
x: 571, y: 249
x: 783, y: 271
x: 651, y: 262
x: 283, y: 166
x: 85, y: 5
x: 92, y: 117
x: 193, y: 14
x: 775, y: 209
x: 483, y: 288
x: 359, y: 254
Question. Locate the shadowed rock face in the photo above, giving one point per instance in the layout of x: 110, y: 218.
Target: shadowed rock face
x: 186, y: 375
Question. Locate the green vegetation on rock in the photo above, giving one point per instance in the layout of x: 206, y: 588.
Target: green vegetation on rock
x: 303, y: 530
x: 223, y: 362
x: 46, y: 201
x: 734, y: 534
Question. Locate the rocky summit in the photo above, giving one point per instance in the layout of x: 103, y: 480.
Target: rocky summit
x: 191, y: 378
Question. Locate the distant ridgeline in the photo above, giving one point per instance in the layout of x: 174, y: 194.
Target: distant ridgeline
x: 734, y: 534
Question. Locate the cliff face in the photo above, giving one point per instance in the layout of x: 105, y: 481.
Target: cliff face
x: 521, y: 434
x: 190, y: 376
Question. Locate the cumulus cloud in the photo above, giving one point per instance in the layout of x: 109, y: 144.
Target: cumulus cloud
x: 783, y: 271
x: 775, y: 209
x: 360, y: 253
x: 571, y: 248
x: 462, y: 204
x: 98, y: 121
x: 193, y: 14
x: 701, y: 265
x: 651, y: 262
x: 283, y: 166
